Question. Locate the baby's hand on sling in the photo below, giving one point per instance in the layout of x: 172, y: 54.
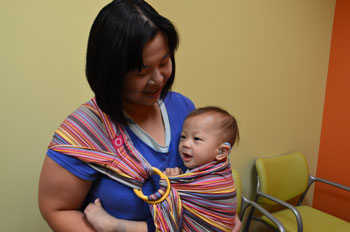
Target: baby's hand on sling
x: 173, y: 171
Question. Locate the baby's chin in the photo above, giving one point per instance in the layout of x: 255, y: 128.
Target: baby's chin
x: 189, y: 165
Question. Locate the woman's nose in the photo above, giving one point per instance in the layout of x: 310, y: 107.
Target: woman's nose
x: 156, y: 78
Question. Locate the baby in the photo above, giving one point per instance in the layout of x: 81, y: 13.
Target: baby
x: 207, y: 137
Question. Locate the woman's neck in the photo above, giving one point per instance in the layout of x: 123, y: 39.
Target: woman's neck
x: 140, y: 113
x: 149, y: 118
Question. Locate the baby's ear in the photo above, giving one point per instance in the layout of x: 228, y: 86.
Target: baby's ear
x: 223, y: 151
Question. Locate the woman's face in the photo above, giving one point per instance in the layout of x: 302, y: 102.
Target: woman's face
x: 145, y: 87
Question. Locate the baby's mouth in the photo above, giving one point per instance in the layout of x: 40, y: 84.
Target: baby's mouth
x: 186, y: 157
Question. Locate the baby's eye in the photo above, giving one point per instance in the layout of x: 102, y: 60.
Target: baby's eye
x: 197, y: 139
x: 182, y: 137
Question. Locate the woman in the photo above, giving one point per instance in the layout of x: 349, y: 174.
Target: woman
x: 130, y: 67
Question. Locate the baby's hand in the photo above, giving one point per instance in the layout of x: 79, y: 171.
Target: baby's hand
x: 173, y: 171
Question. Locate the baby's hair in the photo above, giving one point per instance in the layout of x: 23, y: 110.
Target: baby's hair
x: 227, y: 123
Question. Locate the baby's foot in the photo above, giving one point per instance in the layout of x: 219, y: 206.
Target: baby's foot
x: 99, y: 218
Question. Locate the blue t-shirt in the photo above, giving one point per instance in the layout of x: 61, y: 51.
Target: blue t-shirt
x: 117, y: 199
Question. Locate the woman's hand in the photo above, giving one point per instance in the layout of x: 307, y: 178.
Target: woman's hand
x: 238, y: 224
x: 103, y: 222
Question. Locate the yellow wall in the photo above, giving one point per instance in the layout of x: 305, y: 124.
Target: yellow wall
x: 264, y: 61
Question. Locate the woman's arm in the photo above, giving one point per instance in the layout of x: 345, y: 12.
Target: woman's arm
x: 61, y: 195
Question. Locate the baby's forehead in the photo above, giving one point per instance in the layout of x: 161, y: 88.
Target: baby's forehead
x: 208, y: 114
x: 211, y: 118
x: 207, y: 120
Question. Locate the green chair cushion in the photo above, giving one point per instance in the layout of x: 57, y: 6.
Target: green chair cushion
x: 313, y: 220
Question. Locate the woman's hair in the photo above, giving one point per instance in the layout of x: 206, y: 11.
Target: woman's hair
x: 115, y: 47
x: 226, y: 123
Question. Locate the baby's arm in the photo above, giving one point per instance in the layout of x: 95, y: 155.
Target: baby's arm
x: 173, y: 171
x: 104, y: 222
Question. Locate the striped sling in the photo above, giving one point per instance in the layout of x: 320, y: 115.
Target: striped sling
x: 201, y: 200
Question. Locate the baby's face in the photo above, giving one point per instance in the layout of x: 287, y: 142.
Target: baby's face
x: 199, y: 142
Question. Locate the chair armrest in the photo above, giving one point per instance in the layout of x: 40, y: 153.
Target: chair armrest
x: 285, y: 204
x: 313, y: 179
x: 263, y: 211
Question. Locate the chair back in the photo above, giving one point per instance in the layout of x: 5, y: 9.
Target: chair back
x: 283, y: 177
x: 237, y: 181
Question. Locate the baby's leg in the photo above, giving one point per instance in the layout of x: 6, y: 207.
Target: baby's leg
x: 99, y: 218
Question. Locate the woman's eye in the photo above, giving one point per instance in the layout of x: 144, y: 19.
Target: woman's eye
x: 142, y: 73
x: 165, y: 63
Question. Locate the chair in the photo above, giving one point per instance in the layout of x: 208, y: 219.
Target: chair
x: 243, y: 204
x: 286, y: 177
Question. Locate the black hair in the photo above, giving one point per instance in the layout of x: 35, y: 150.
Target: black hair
x: 115, y: 48
x: 227, y: 123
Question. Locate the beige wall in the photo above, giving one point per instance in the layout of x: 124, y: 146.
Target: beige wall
x: 264, y: 61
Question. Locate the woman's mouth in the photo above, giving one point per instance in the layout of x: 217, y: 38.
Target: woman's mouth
x: 153, y: 93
